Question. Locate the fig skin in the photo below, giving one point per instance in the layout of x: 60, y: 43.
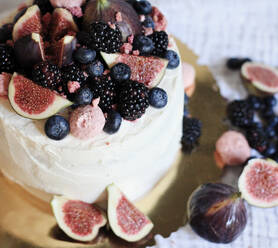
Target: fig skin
x: 217, y: 213
x: 105, y: 11
x: 29, y: 50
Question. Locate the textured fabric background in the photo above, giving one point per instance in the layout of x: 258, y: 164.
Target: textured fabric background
x: 215, y: 30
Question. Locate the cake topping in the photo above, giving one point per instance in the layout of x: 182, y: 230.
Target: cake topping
x: 104, y: 38
x: 83, y: 96
x: 158, y: 97
x: 133, y: 100
x: 173, y: 58
x: 159, y: 19
x: 143, y: 44
x: 120, y: 72
x: 7, y: 63
x: 113, y: 122
x: 57, y: 127
x: 160, y: 41
x: 44, y: 5
x: 95, y: 69
x: 87, y: 122
x: 73, y: 86
x: 47, y: 75
x: 84, y: 55
x: 143, y: 7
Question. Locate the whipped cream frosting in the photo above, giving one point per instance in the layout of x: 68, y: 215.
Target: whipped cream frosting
x: 135, y: 158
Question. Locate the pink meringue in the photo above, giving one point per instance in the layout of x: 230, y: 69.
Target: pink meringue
x: 232, y: 148
x: 87, y: 122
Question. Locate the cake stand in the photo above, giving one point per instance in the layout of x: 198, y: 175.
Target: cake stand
x: 26, y: 221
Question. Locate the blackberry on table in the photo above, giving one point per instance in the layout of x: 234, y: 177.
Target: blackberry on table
x: 133, y: 100
x: 105, y: 88
x: 255, y: 102
x: 44, y: 5
x: 240, y: 113
x: 104, y: 38
x: 47, y: 75
x: 7, y: 61
x: 192, y: 130
x: 160, y: 40
x: 257, y: 139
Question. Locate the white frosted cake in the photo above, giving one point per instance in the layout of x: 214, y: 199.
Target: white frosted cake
x: 135, y: 158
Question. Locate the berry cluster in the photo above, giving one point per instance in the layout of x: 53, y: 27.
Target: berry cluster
x: 71, y: 62
x: 192, y: 129
x: 255, y: 116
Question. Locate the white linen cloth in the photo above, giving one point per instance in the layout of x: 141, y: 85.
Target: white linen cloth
x: 216, y: 30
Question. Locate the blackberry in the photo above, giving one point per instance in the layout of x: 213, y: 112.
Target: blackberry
x: 105, y: 88
x: 133, y: 100
x: 83, y: 38
x: 257, y: 139
x: 73, y: 73
x: 47, y: 75
x: 240, y: 113
x: 7, y: 61
x: 255, y: 102
x: 44, y: 5
x: 160, y: 40
x: 104, y: 38
x: 192, y: 130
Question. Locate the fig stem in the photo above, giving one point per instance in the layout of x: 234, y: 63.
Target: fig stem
x: 102, y: 4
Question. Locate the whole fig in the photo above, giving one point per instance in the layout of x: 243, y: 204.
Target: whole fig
x: 217, y: 213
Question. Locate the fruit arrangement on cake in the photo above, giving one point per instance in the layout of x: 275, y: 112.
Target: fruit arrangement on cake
x: 92, y: 101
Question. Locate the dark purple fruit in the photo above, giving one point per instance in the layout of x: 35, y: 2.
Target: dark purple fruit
x: 6, y: 32
x: 113, y: 122
x: 217, y: 213
x: 29, y: 50
x: 236, y: 63
x: 255, y: 102
x: 142, y: 7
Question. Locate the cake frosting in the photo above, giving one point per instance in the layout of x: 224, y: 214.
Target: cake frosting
x: 135, y: 158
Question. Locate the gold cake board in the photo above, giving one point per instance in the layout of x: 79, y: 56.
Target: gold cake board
x: 26, y: 221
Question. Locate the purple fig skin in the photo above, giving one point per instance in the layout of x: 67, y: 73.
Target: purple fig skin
x: 105, y: 10
x: 28, y: 51
x: 69, y: 47
x: 217, y: 213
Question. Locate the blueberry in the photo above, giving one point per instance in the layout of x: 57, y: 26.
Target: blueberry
x: 83, y: 96
x: 270, y: 101
x: 173, y: 58
x: 255, y: 102
x: 158, y: 97
x: 6, y: 32
x: 144, y: 44
x: 148, y: 22
x: 120, y: 72
x: 113, y: 122
x: 236, y: 63
x: 95, y: 69
x: 142, y: 7
x: 57, y: 127
x: 270, y: 150
x: 84, y: 55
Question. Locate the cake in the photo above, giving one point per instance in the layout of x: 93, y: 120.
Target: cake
x: 135, y: 158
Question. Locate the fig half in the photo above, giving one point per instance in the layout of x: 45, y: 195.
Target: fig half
x: 217, y: 213
x: 29, y: 50
x: 33, y: 101
x: 79, y: 220
x: 258, y: 183
x: 146, y: 70
x: 259, y: 78
x: 125, y: 220
x: 29, y: 23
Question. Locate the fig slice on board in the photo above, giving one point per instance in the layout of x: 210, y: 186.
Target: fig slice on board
x: 125, y: 220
